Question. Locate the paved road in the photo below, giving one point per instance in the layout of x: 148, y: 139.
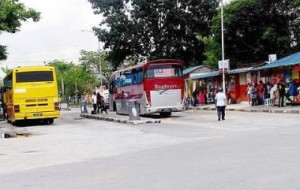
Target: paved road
x: 190, y: 150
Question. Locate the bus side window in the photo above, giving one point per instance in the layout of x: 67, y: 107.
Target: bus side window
x: 118, y: 82
x: 139, y: 76
x: 128, y: 80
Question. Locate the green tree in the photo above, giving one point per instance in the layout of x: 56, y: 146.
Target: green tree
x: 154, y: 28
x: 12, y: 13
x: 96, y: 62
x: 256, y: 28
x: 5, y: 70
x: 78, y: 81
x: 73, y: 79
x: 212, y: 51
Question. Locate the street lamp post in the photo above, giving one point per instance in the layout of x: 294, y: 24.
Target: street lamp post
x: 99, y: 52
x: 223, y: 55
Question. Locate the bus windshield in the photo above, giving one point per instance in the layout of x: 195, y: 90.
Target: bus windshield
x: 163, y: 71
x: 34, y: 76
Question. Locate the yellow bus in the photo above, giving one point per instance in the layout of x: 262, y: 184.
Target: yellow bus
x: 31, y: 93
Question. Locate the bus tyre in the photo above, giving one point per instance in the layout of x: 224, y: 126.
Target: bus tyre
x: 16, y: 123
x: 165, y: 114
x: 114, y: 106
x: 50, y: 121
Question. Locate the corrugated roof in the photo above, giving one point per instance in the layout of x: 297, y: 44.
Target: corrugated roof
x: 286, y: 61
x: 204, y: 75
x: 240, y: 70
x: 191, y: 69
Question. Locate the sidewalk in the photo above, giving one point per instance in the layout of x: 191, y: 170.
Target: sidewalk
x: 113, y: 117
x: 245, y: 107
x: 242, y: 107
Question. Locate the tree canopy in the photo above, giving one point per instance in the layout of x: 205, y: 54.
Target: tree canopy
x: 12, y: 13
x: 96, y: 62
x: 72, y: 79
x: 191, y: 29
x: 154, y: 28
x: 256, y: 28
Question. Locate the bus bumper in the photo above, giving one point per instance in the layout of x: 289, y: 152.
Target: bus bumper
x: 164, y: 109
x: 37, y: 115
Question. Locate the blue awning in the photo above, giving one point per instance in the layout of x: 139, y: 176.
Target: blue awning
x: 293, y: 59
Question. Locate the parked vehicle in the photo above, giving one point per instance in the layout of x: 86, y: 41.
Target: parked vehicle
x: 30, y: 93
x: 155, y: 87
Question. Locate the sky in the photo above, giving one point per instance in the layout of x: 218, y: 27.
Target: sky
x: 58, y: 34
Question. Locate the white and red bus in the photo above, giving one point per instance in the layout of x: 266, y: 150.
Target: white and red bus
x: 155, y: 86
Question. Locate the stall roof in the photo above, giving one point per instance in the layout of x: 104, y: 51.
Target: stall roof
x: 240, y: 70
x: 191, y: 69
x: 286, y: 61
x: 204, y: 75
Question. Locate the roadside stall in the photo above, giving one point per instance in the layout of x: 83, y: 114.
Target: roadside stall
x: 286, y: 69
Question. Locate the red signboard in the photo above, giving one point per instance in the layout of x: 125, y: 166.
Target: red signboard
x: 297, y: 68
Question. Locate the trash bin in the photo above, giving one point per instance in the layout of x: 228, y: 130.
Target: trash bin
x: 83, y: 107
x: 133, y: 110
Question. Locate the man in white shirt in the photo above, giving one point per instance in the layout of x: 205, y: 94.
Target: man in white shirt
x: 221, y: 104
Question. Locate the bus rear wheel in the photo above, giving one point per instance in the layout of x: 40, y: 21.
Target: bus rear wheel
x: 50, y: 121
x: 165, y: 114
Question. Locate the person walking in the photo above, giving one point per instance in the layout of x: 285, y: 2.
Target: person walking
x: 221, y: 104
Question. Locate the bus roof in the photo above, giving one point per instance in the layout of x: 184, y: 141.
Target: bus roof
x: 150, y: 62
x: 31, y: 68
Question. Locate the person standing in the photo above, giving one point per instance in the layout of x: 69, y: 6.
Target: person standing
x: 221, y: 104
x: 248, y: 92
x: 94, y: 100
x: 201, y: 98
x: 195, y: 97
x: 273, y: 94
x: 292, y: 91
x: 260, y: 92
x: 103, y: 107
x: 98, y: 102
x: 281, y: 93
x: 254, y: 94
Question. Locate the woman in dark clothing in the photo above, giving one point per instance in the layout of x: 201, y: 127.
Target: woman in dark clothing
x: 281, y: 92
x: 98, y: 102
x: 102, y: 105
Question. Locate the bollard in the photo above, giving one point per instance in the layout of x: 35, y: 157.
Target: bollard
x: 133, y: 110
x: 83, y: 107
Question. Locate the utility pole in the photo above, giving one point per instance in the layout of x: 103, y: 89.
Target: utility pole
x: 223, y: 54
x: 100, y: 63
